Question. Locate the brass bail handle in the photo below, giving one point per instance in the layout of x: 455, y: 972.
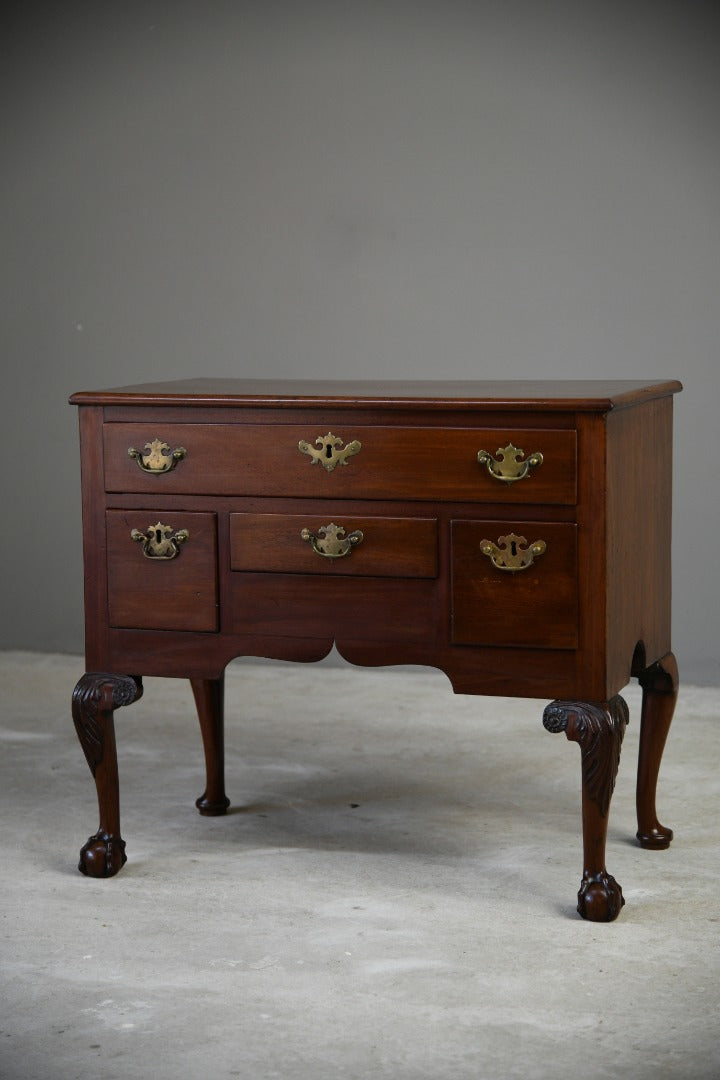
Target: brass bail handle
x: 156, y: 456
x: 331, y: 542
x: 512, y: 552
x: 159, y: 541
x: 510, y: 463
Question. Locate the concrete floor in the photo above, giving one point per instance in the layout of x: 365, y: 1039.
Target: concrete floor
x: 391, y: 896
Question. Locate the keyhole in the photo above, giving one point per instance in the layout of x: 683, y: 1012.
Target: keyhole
x: 158, y: 536
x: 513, y: 548
x: 328, y: 450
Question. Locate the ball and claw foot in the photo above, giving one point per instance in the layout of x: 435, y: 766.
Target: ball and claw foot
x: 102, y: 855
x: 600, y: 898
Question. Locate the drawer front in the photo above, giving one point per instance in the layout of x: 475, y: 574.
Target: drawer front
x: 534, y: 606
x: 365, y: 462
x: 151, y: 591
x: 366, y: 546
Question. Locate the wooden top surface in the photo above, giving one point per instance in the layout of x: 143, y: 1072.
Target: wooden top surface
x: 521, y: 395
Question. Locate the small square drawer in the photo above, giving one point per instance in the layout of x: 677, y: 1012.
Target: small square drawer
x: 515, y: 583
x: 162, y: 571
x: 350, y: 461
x: 355, y: 545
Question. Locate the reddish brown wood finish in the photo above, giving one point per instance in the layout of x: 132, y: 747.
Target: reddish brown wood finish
x: 393, y: 462
x: 639, y: 536
x: 159, y: 594
x: 520, y: 395
x: 94, y: 701
x: 594, y: 608
x: 94, y: 542
x: 334, y: 608
x: 209, y: 697
x: 660, y: 690
x: 599, y: 731
x: 391, y: 547
x: 535, y: 607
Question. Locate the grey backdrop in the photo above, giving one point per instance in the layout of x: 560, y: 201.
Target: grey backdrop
x: 340, y: 189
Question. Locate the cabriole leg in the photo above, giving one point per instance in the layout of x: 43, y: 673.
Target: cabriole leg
x: 94, y: 700
x: 660, y: 689
x: 209, y: 697
x: 599, y: 731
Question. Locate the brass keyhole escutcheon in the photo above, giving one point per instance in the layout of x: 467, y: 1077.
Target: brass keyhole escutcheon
x: 329, y: 451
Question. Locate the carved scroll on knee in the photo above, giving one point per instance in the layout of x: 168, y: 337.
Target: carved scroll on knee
x: 592, y: 726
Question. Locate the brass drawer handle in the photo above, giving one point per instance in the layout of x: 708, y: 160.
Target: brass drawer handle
x: 331, y: 541
x: 157, y: 457
x: 330, y: 452
x: 512, y: 553
x: 159, y: 542
x: 510, y: 464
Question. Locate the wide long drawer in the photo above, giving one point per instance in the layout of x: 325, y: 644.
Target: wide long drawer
x: 355, y: 545
x: 516, y: 465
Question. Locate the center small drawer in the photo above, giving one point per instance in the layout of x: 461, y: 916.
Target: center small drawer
x: 352, y: 545
x: 329, y: 460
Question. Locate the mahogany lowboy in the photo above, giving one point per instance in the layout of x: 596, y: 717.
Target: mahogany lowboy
x: 515, y: 535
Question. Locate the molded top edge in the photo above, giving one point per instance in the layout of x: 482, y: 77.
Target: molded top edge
x: 588, y: 395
